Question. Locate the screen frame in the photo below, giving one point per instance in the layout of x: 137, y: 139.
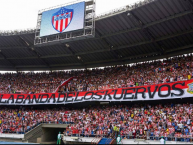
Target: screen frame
x: 58, y: 33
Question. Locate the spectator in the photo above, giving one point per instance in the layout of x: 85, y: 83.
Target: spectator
x: 139, y: 74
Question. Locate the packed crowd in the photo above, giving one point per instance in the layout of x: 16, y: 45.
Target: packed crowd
x: 173, y: 121
x: 31, y: 82
x: 170, y: 70
x: 147, y: 73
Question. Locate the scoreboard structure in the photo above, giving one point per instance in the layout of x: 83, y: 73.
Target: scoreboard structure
x: 65, y: 23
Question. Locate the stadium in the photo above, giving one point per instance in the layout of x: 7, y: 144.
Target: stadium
x: 122, y: 77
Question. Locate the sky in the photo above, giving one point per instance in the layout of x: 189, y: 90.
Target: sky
x: 22, y: 14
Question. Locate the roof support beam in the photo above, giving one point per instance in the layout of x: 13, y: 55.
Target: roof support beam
x: 147, y: 33
x: 31, y: 49
x: 126, y: 58
x: 21, y: 58
x: 140, y: 43
x: 4, y: 57
x: 180, y: 48
x: 156, y: 40
x: 113, y: 49
x: 13, y: 47
x: 141, y: 56
x: 73, y: 54
x: 150, y: 24
x: 7, y: 66
x: 59, y: 55
x: 31, y: 66
x: 74, y: 64
x: 108, y: 46
x: 191, y: 3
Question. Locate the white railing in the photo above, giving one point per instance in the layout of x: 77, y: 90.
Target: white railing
x: 16, y: 32
x: 12, y: 136
x: 137, y: 137
x: 125, y: 8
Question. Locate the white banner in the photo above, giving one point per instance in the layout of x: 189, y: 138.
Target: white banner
x: 175, y: 90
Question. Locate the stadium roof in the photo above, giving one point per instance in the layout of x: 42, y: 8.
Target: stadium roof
x: 152, y: 29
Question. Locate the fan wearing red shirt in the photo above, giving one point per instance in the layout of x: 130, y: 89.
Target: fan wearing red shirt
x: 73, y: 131
x: 77, y: 132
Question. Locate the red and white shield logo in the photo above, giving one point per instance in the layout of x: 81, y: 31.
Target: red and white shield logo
x: 62, y: 19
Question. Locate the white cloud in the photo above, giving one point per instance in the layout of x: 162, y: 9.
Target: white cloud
x: 22, y: 14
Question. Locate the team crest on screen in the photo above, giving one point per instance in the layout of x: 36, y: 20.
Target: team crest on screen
x: 190, y: 88
x: 62, y: 19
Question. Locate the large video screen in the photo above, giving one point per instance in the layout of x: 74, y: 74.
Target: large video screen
x: 64, y: 19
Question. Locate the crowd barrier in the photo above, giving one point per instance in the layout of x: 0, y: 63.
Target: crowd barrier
x: 153, y: 138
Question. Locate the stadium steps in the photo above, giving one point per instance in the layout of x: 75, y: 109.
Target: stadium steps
x: 112, y: 139
x: 35, y: 133
x: 108, y: 141
x: 103, y: 141
x: 96, y: 140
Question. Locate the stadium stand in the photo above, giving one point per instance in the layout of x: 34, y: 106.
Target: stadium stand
x: 170, y: 70
x: 156, y: 72
x: 147, y: 43
x: 31, y: 82
x: 142, y: 121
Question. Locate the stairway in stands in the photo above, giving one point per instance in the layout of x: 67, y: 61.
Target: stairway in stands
x: 105, y: 141
x: 33, y: 134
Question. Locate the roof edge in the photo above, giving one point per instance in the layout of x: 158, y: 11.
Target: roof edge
x: 97, y: 18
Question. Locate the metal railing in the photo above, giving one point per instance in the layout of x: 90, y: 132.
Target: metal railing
x: 124, y: 8
x: 172, y: 138
x: 93, y: 141
x: 136, y: 137
x: 111, y: 139
x: 87, y: 135
x: 96, y: 140
x: 16, y: 32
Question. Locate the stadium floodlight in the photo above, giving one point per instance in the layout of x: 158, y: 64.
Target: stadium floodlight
x: 67, y: 45
x: 79, y: 57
